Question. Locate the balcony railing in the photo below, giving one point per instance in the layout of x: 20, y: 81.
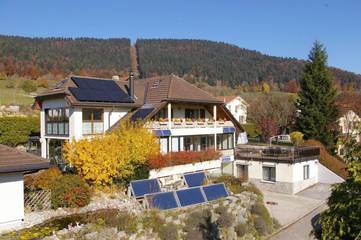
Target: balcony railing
x: 278, y: 154
x: 183, y: 123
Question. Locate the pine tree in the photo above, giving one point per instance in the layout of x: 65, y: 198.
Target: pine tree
x: 316, y: 102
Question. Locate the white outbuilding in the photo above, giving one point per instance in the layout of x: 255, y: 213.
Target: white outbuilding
x: 13, y: 164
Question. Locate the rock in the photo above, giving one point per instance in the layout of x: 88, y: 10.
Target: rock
x: 121, y: 235
x: 62, y: 232
x: 168, y: 219
x: 91, y: 236
x: 133, y: 237
x: 177, y: 222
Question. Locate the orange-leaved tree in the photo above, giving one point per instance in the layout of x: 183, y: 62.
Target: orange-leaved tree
x: 116, y: 155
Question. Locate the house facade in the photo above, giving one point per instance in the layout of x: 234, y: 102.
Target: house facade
x: 182, y: 116
x: 237, y: 106
x: 279, y: 169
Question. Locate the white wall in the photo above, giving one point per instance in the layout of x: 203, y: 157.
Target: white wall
x: 238, y: 108
x: 300, y: 183
x: 179, y: 110
x: 11, y: 200
x: 327, y: 176
x: 111, y: 116
x: 180, y: 169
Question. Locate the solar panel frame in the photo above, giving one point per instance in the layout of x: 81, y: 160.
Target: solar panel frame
x: 141, y: 114
x: 190, y: 182
x: 93, y: 90
x: 183, y: 196
x: 170, y: 197
x: 134, y: 184
x: 207, y: 190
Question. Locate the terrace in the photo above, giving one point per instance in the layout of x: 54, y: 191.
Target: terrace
x: 277, y: 153
x: 188, y: 123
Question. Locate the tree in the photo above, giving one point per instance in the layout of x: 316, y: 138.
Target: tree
x: 116, y: 156
x: 29, y: 86
x: 316, y: 102
x: 343, y: 218
x: 292, y: 86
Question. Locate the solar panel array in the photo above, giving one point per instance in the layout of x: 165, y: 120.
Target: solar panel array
x: 195, y: 179
x: 186, y: 197
x: 146, y: 186
x: 94, y: 90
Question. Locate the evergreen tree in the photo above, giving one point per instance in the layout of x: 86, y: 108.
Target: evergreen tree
x: 316, y: 103
x: 343, y: 218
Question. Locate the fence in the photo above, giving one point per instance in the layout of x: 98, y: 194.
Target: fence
x: 37, y: 200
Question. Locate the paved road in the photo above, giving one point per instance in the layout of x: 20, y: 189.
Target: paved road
x: 300, y: 230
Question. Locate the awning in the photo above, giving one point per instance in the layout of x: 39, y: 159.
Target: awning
x: 162, y: 133
x: 229, y: 129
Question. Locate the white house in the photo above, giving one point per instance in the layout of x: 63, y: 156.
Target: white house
x: 237, y: 106
x: 349, y: 124
x: 182, y: 116
x: 13, y: 164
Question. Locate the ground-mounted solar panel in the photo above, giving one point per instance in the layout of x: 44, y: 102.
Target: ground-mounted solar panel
x: 215, y: 191
x: 162, y: 201
x: 93, y: 90
x: 190, y: 196
x: 146, y: 186
x: 195, y: 179
x: 141, y: 114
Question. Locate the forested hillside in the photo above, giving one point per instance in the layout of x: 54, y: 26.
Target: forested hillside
x: 33, y: 57
x: 210, y: 62
x: 200, y: 61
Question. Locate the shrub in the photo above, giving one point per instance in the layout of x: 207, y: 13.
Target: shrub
x: 42, y: 83
x: 297, y: 138
x: 232, y: 183
x: 16, y: 130
x: 152, y: 220
x: 251, y: 187
x: 115, y: 156
x: 45, y: 179
x: 28, y: 86
x: 225, y: 219
x: 69, y: 191
x: 157, y: 161
x: 241, y: 229
x: 260, y: 226
x: 199, y: 223
x: 127, y: 222
x: 168, y: 232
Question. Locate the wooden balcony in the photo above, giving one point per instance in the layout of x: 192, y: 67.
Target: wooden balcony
x: 183, y: 123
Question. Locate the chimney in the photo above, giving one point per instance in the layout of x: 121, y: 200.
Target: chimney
x: 131, y: 85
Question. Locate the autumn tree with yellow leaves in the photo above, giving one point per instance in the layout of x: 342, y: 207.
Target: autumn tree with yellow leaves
x: 116, y: 155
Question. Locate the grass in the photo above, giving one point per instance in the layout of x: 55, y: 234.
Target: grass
x: 14, y: 95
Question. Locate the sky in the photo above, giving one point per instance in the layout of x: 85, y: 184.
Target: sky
x: 275, y: 27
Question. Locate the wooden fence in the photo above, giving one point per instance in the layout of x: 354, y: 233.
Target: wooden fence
x: 37, y: 200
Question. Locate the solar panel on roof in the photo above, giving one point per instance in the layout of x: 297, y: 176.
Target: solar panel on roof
x: 94, y: 90
x: 141, y: 114
x: 190, y: 196
x: 163, y: 201
x: 215, y: 191
x: 195, y: 179
x: 146, y: 186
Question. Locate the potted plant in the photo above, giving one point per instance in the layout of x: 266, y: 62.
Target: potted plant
x: 189, y: 121
x: 177, y: 121
x: 200, y: 121
x: 221, y: 121
x: 210, y: 122
x: 163, y: 121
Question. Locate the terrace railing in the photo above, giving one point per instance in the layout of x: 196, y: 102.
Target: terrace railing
x: 182, y: 123
x: 288, y: 154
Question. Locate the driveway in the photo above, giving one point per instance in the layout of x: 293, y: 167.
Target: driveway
x: 289, y: 208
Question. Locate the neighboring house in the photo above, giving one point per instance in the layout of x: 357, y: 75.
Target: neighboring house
x: 237, y: 106
x: 349, y: 125
x: 13, y: 164
x: 182, y: 116
x: 285, y: 170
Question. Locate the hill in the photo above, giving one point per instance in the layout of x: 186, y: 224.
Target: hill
x: 212, y: 62
x: 33, y: 57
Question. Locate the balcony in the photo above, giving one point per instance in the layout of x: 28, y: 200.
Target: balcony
x: 277, y: 154
x: 187, y: 123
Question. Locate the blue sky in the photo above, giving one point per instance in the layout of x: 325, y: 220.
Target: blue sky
x: 275, y: 27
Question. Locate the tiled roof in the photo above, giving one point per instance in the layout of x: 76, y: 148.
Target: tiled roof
x: 171, y: 88
x: 14, y: 160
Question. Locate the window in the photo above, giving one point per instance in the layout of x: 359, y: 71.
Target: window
x: 175, y: 144
x: 164, y: 146
x: 57, y: 121
x: 225, y: 141
x: 195, y: 113
x: 269, y: 173
x: 306, y: 172
x: 198, y: 143
x: 92, y: 121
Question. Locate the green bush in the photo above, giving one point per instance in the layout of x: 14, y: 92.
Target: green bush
x: 263, y: 221
x: 261, y: 226
x: 232, y: 183
x: 69, y: 191
x: 241, y: 229
x: 250, y: 187
x: 16, y: 130
x: 127, y: 222
x: 29, y: 86
x: 152, y: 220
x: 199, y: 223
x: 168, y: 232
x: 251, y: 130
